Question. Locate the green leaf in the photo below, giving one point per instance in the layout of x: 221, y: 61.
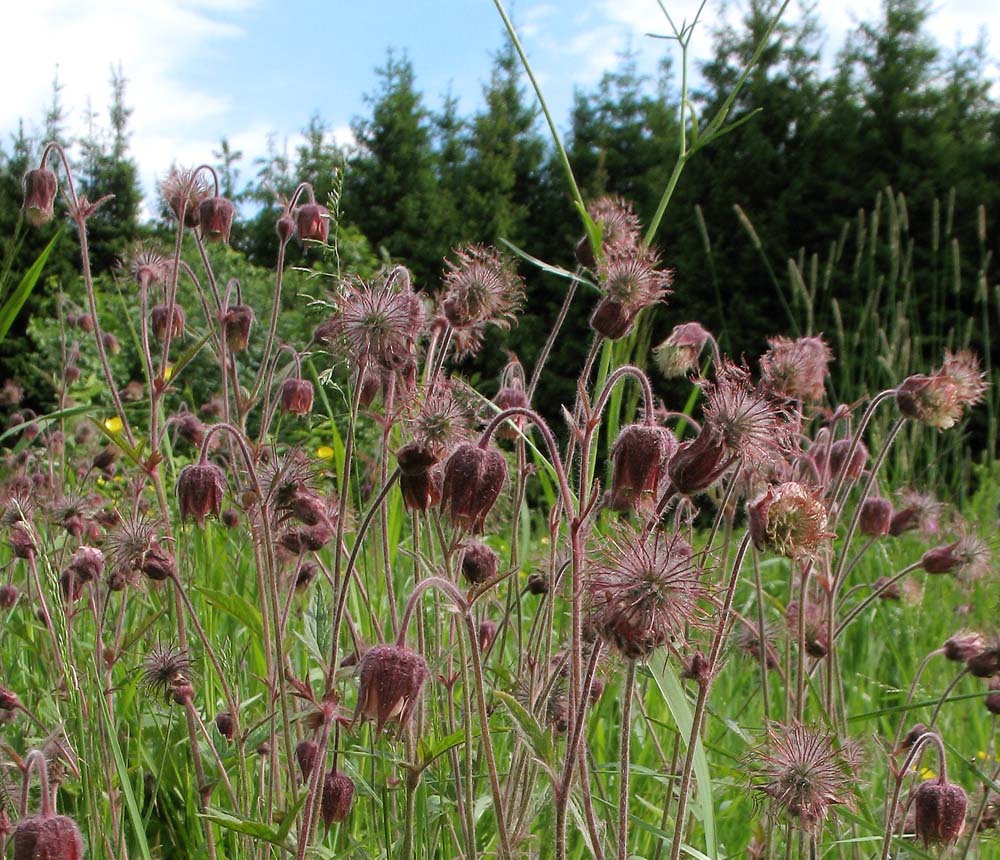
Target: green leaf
x: 13, y: 305
x: 236, y: 606
x: 538, y: 739
x: 677, y: 701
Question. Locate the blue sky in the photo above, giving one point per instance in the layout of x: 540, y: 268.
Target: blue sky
x: 199, y: 70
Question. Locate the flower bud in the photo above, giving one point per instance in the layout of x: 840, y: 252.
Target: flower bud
x: 875, y: 516
x: 963, y: 645
x: 487, y: 633
x: 612, y: 319
x: 296, y: 396
x: 940, y: 812
x: 941, y: 559
x: 161, y: 321
x: 8, y: 596
x: 230, y: 518
x: 472, y: 481
x: 509, y: 397
x: 307, y: 538
x: 226, y: 725
x: 838, y: 457
x: 391, y: 680
x: 200, y: 488
x: 479, y: 563
x: 157, y: 564
x: 236, y: 324
x: 285, y: 228
x: 40, y: 187
x: 698, y: 463
x: 21, y: 541
x: 640, y: 456
x: 312, y: 222
x: 992, y: 701
x: 985, y: 664
x: 305, y: 755
x: 8, y: 699
x: 338, y: 794
x: 47, y: 837
x: 216, y: 217
x: 87, y: 563
x: 538, y: 584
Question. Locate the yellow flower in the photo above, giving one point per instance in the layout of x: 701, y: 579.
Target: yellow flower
x: 324, y: 452
x: 113, y: 424
x: 168, y: 371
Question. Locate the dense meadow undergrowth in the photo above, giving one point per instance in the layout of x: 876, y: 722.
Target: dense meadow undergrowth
x: 347, y: 606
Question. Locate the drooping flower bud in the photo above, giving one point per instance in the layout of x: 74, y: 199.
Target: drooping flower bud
x: 161, y: 321
x: 875, y: 516
x: 312, y: 222
x: 941, y: 559
x: 87, y: 563
x: 157, y: 563
x: 216, y: 216
x: 40, y: 187
x: 236, y: 323
x: 285, y: 228
x: 986, y: 663
x: 963, y: 645
x: 472, y: 481
x: 538, y: 584
x: 639, y: 458
x: 611, y: 318
x: 699, y: 462
x: 838, y: 457
x: 338, y: 794
x: 940, y: 812
x: 479, y: 563
x: 22, y: 542
x: 225, y: 724
x: 992, y: 701
x: 487, y: 633
x: 678, y: 354
x: 391, y: 680
x: 305, y: 755
x: 509, y: 397
x: 8, y: 595
x: 200, y: 488
x: 296, y: 396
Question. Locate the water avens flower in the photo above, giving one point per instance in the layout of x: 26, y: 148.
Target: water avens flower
x: 392, y: 678
x: 200, y: 488
x: 639, y: 461
x: 678, y: 355
x: 312, y: 222
x: 471, y: 484
x: 338, y: 794
x: 296, y: 396
x: 40, y: 187
x: 940, y: 811
x: 939, y: 400
x: 479, y: 563
x: 875, y: 516
x: 215, y: 216
x: 236, y: 324
x: 630, y: 283
x: 618, y: 224
x: 481, y: 287
x: 161, y: 321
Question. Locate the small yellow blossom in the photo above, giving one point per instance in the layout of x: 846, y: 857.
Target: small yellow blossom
x: 113, y: 424
x: 324, y: 452
x: 168, y: 371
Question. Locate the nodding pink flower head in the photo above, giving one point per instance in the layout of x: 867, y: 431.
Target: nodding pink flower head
x: 338, y: 794
x: 939, y: 400
x: 796, y: 368
x: 678, y: 354
x: 161, y: 321
x: 481, y: 286
x: 40, y: 187
x: 200, y: 488
x: 296, y: 396
x: 236, y: 323
x: 392, y: 678
x: 963, y: 645
x: 643, y: 592
x: 479, y: 563
x: 875, y: 516
x: 22, y: 541
x: 802, y: 773
x: 838, y: 459
x: 216, y: 216
x: 312, y: 222
x: 699, y: 462
x: 967, y: 558
x: 630, y: 282
x: 789, y: 519
x: 471, y: 484
x: 419, y: 477
x: 639, y: 456
x: 940, y: 811
x: 87, y: 563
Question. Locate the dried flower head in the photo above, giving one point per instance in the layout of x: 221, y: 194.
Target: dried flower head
x: 789, y: 519
x: 165, y: 667
x: 630, y: 282
x: 392, y: 678
x: 147, y: 265
x: 753, y: 425
x: 183, y: 191
x: 796, y: 368
x: 481, y: 286
x: 968, y: 558
x: 916, y: 511
x: 377, y: 323
x: 802, y: 773
x: 441, y: 419
x: 678, y: 354
x: 643, y: 593
x: 939, y: 400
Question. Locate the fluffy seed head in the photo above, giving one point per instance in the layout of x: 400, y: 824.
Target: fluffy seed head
x: 796, y: 368
x: 968, y: 558
x: 939, y: 400
x: 481, y: 287
x: 642, y: 592
x: 801, y: 773
x: 184, y: 202
x: 618, y: 224
x: 164, y: 668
